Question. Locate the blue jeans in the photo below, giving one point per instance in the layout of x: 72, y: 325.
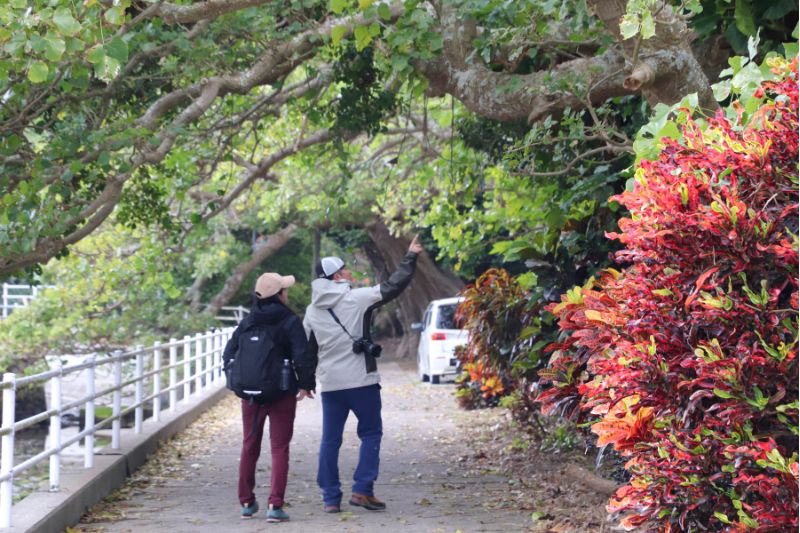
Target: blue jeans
x: 365, y: 402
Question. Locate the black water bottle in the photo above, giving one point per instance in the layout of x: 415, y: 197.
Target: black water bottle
x: 286, y: 375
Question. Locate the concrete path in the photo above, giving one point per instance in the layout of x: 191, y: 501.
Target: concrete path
x: 426, y: 477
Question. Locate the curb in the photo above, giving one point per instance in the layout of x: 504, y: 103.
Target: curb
x: 48, y: 512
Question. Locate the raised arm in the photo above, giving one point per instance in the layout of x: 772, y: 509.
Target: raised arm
x: 401, y: 277
x: 393, y: 286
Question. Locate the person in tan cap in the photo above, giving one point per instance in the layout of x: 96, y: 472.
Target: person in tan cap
x: 266, y: 365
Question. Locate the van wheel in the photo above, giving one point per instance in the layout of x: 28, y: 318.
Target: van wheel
x: 434, y: 379
x: 424, y: 378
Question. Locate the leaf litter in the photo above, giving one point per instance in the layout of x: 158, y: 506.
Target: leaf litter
x: 167, y: 463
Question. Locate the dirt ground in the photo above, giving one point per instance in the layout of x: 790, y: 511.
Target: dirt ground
x: 442, y: 470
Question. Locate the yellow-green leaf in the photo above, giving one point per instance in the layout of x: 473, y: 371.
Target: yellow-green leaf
x: 363, y: 38
x: 115, y: 15
x: 337, y: 33
x: 384, y: 12
x: 38, y: 72
x: 95, y: 54
x: 65, y: 23
x: 337, y: 6
x: 54, y: 48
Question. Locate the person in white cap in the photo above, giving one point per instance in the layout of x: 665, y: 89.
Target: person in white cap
x: 337, y: 322
x: 282, y: 332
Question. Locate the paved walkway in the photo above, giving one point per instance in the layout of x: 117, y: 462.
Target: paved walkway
x: 426, y: 480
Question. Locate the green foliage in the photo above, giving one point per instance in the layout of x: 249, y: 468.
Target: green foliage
x: 112, y: 291
x: 294, y: 258
x: 737, y: 20
x: 741, y: 20
x: 517, y: 27
x: 563, y: 437
x: 742, y: 82
x: 363, y: 104
x: 144, y: 201
x: 38, y: 37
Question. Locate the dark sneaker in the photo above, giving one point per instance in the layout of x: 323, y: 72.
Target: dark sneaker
x: 248, y: 511
x: 370, y: 503
x: 333, y: 508
x: 276, y: 514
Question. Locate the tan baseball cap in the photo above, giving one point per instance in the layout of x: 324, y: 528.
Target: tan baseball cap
x: 270, y: 283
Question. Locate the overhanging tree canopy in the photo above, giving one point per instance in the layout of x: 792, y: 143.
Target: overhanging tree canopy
x: 182, y: 108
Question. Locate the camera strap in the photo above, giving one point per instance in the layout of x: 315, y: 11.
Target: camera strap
x: 369, y: 361
x: 336, y: 318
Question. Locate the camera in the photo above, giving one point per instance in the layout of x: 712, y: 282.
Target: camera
x: 367, y: 347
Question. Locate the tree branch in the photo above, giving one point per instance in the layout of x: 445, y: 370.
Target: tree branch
x: 569, y: 166
x: 666, y: 70
x: 210, y: 9
x: 261, y: 252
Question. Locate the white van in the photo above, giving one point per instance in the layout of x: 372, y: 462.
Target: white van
x: 439, y: 336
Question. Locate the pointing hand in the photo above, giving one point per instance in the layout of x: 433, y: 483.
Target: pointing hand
x: 415, y: 246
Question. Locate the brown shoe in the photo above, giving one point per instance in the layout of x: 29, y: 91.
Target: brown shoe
x: 333, y: 508
x: 370, y: 503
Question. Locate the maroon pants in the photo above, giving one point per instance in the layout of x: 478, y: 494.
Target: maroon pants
x: 281, y: 425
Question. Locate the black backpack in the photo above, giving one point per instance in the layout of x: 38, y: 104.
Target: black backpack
x: 254, y: 372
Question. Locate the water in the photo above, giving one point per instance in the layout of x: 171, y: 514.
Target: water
x: 32, y: 441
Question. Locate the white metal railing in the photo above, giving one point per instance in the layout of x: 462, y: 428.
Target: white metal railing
x: 199, y: 358
x: 234, y: 314
x: 16, y: 296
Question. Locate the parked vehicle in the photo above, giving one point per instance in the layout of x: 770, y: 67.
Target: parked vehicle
x: 440, y: 335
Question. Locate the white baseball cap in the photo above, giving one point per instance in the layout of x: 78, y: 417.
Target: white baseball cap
x: 328, y: 266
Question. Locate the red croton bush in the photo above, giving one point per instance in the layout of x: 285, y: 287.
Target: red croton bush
x: 494, y: 311
x: 686, y: 360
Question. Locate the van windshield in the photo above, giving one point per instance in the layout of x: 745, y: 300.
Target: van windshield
x: 446, y: 318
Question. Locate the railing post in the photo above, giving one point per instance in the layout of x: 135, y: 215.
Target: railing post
x: 223, y: 343
x: 116, y: 424
x: 88, y: 425
x: 138, y: 412
x: 209, y: 358
x: 173, y: 374
x: 55, y: 430
x: 221, y: 334
x: 5, y: 300
x: 215, y: 356
x: 7, y: 447
x: 157, y: 381
x: 198, y: 361
x: 187, y: 367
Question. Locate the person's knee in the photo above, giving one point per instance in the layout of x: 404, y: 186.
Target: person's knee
x: 370, y: 432
x: 279, y: 447
x: 251, y: 444
x: 334, y: 441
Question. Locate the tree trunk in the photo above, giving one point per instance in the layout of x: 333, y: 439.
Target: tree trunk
x: 263, y: 251
x: 430, y: 282
x: 194, y: 294
x: 316, y: 247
